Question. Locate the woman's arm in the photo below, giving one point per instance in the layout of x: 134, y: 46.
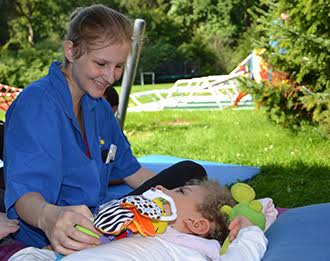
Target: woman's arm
x: 58, y: 223
x: 139, y: 177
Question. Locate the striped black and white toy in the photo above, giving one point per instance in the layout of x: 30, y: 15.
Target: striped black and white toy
x: 114, y: 216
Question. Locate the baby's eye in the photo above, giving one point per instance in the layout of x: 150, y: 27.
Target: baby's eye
x: 101, y: 64
x: 180, y: 190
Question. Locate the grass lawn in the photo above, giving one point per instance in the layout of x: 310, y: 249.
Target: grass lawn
x: 295, y: 166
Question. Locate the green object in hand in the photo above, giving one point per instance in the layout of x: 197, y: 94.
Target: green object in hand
x: 246, y: 206
x: 87, y: 231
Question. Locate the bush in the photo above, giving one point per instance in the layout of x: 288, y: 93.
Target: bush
x: 299, y: 46
x: 21, y: 67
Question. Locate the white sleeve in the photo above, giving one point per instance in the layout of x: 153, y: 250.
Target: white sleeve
x: 269, y: 210
x: 249, y: 245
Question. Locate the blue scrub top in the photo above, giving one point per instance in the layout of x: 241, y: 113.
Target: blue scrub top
x: 45, y: 151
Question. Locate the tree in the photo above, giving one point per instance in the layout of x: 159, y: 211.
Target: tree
x: 297, y: 36
x: 220, y: 24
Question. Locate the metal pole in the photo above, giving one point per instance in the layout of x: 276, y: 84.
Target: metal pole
x: 130, y: 71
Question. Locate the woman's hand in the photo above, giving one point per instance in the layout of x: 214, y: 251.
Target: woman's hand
x: 7, y: 226
x: 236, y: 225
x: 58, y: 223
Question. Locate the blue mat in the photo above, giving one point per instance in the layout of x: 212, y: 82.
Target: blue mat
x: 225, y: 174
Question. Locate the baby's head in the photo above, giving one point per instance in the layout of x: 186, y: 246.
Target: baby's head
x: 111, y: 95
x: 198, y: 205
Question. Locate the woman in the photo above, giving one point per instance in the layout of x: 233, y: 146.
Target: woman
x: 62, y: 142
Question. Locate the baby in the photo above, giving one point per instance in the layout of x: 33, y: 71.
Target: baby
x: 111, y: 95
x: 196, y: 233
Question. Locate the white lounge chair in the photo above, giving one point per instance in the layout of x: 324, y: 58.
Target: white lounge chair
x: 218, y: 91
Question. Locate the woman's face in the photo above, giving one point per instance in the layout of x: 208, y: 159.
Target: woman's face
x: 94, y: 71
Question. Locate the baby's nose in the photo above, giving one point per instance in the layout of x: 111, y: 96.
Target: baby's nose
x: 161, y: 188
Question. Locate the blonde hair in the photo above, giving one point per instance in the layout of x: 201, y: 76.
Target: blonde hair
x: 216, y: 196
x: 97, y: 24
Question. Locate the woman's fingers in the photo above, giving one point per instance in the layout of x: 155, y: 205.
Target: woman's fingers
x: 61, y: 249
x: 82, y: 210
x: 65, y: 237
x: 82, y: 238
x: 7, y: 226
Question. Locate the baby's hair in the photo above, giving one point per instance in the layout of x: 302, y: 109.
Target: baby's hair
x: 111, y: 95
x: 97, y: 24
x: 216, y: 197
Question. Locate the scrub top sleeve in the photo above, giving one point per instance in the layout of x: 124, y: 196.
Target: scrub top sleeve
x: 32, y: 150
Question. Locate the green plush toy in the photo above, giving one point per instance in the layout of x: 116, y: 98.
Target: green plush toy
x: 247, y: 207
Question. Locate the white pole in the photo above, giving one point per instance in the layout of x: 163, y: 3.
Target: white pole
x: 130, y: 71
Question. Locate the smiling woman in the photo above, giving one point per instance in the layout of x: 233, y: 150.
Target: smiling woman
x: 60, y: 118
x: 63, y: 145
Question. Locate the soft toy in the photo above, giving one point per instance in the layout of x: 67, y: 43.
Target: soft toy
x: 143, y: 214
x: 244, y: 195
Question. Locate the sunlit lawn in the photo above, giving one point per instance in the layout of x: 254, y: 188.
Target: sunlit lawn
x: 295, y: 166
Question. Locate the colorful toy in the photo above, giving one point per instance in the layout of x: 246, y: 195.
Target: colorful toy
x: 247, y: 207
x: 143, y: 214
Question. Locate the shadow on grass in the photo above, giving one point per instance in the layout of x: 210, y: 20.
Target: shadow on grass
x: 293, y: 186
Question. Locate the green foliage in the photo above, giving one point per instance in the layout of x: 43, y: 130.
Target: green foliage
x: 199, y: 33
x: 36, y: 20
x: 199, y: 52
x: 220, y: 24
x: 299, y: 46
x: 154, y: 55
x: 21, y: 67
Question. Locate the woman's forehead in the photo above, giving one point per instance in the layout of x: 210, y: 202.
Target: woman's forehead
x: 111, y: 51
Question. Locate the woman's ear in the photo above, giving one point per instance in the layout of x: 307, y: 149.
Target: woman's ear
x: 200, y: 226
x: 68, y: 50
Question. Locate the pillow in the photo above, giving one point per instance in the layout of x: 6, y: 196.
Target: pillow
x: 300, y: 234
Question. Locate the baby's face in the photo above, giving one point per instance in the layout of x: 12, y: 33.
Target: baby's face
x: 186, y: 199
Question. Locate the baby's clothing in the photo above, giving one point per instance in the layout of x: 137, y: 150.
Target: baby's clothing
x: 206, y: 247
x: 250, y: 245
x: 269, y: 211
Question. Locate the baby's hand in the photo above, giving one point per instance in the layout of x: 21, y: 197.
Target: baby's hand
x: 7, y: 226
x: 236, y: 225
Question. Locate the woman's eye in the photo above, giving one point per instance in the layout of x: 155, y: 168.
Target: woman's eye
x: 120, y: 66
x: 100, y: 64
x: 180, y: 190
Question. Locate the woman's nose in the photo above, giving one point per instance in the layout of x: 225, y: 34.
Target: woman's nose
x: 109, y: 75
